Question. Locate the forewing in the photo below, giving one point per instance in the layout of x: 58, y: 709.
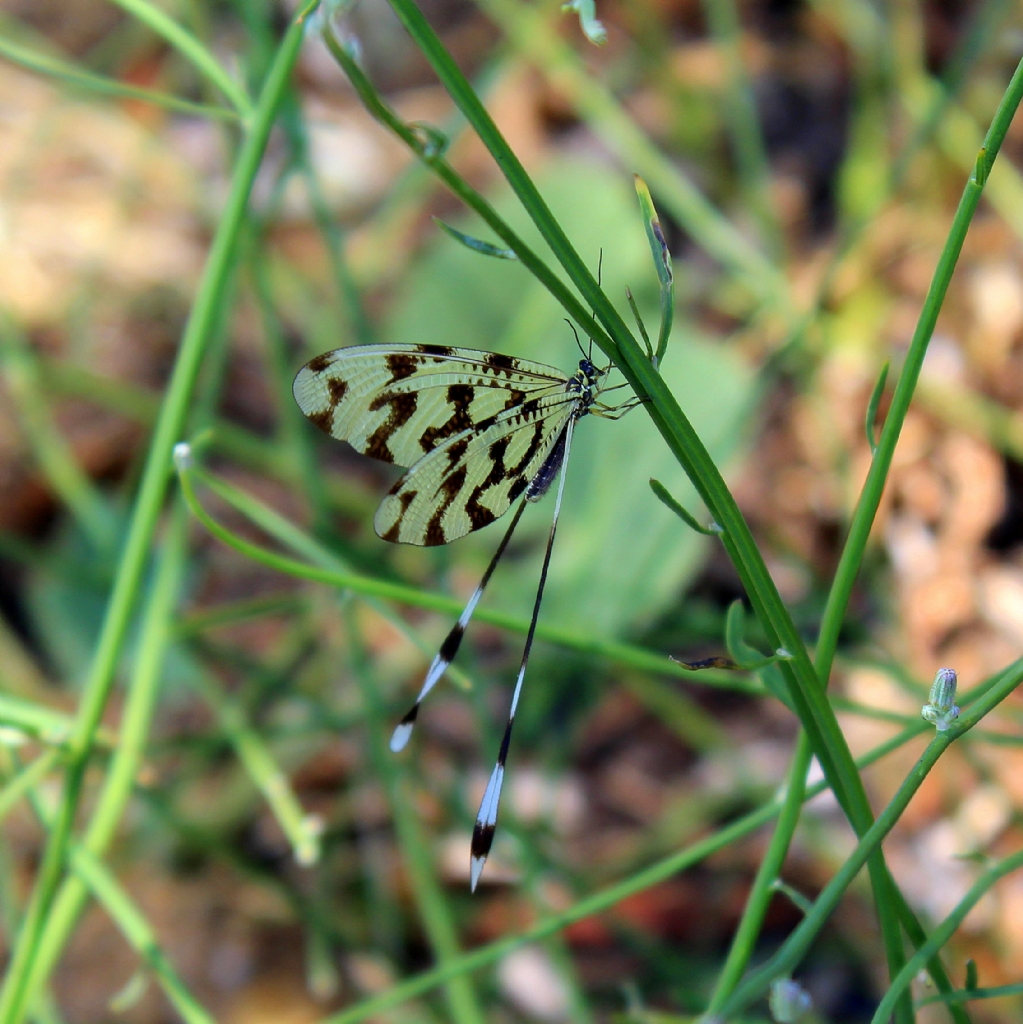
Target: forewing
x: 400, y: 402
x: 472, y: 479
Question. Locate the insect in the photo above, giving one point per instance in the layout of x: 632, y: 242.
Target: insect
x: 478, y: 432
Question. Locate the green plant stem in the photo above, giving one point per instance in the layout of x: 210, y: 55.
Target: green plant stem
x: 598, y: 902
x: 532, y: 34
x: 94, y: 874
x: 69, y: 74
x: 193, y: 51
x: 430, y: 154
x: 807, y: 694
x: 154, y: 637
x: 796, y: 945
x: 324, y: 570
x: 943, y: 933
x: 741, y: 116
x: 870, y: 497
x: 301, y: 830
x: 55, y: 457
x: 968, y: 994
x: 26, y: 780
x: 852, y: 556
x: 416, y: 849
x: 147, y: 509
x: 136, y: 929
x: 744, y: 941
x: 44, y: 724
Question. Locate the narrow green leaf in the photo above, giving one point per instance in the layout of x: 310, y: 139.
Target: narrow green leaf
x: 662, y: 264
x: 735, y: 629
x: 639, y: 323
x: 794, y: 895
x: 664, y: 496
x: 872, y: 406
x: 587, y: 11
x: 971, y: 975
x: 435, y: 142
x: 476, y: 244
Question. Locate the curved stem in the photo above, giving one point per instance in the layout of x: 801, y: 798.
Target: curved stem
x: 192, y: 50
x: 201, y: 325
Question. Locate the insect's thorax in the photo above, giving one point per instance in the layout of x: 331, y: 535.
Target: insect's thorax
x: 586, y: 383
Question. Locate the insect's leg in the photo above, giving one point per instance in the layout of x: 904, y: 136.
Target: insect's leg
x: 448, y: 649
x: 615, y: 412
x: 486, y: 817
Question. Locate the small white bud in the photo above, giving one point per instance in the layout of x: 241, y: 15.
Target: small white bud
x: 941, y: 709
x: 788, y: 1001
x: 182, y: 456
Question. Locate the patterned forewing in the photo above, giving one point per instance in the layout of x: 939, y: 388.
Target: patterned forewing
x: 398, y: 403
x: 472, y: 479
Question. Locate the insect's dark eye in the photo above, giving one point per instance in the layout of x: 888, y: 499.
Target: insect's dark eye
x: 587, y: 367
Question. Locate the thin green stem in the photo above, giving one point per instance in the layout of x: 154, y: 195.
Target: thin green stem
x: 943, y: 933
x: 193, y: 51
x: 154, y: 637
x: 324, y: 570
x: 78, y: 78
x: 96, y: 876
x: 746, y: 935
x: 842, y: 586
x: 27, y: 779
x: 302, y: 830
x: 151, y: 493
x: 136, y: 929
x: 870, y: 497
x: 530, y: 31
x: 55, y: 457
x: 968, y: 994
x: 795, y: 947
x: 741, y: 117
x: 434, y: 912
x: 428, y: 152
x: 598, y: 902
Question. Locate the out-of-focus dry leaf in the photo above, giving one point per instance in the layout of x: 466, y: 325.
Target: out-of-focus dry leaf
x: 88, y: 197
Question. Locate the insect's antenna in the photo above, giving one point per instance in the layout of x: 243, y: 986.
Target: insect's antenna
x: 448, y: 649
x: 600, y: 272
x: 576, y: 333
x: 486, y: 817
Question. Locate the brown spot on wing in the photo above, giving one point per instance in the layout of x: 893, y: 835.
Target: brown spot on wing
x: 456, y: 450
x: 319, y: 363
x: 337, y: 388
x: 435, y: 350
x: 451, y: 486
x: 322, y: 418
x: 531, y: 449
x: 460, y: 398
x: 497, y: 361
x: 517, y: 487
x: 402, y: 365
x: 479, y: 515
x: 403, y: 407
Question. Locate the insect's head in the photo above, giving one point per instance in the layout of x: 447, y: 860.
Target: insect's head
x: 589, y: 371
